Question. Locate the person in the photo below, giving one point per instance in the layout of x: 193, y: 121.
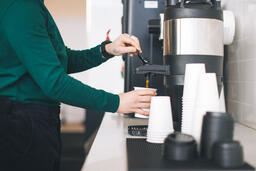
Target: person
x: 34, y: 80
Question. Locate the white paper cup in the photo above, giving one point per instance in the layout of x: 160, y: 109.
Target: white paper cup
x: 159, y: 137
x: 137, y: 115
x: 199, y: 113
x: 206, y: 101
x: 158, y: 134
x: 155, y: 141
x: 192, y: 76
x: 222, y: 101
x: 207, y: 90
x: 160, y: 120
x: 141, y: 116
x: 160, y: 114
x: 188, y: 106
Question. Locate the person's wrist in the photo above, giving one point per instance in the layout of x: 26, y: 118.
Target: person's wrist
x: 119, y: 105
x: 108, y: 48
x: 105, y: 49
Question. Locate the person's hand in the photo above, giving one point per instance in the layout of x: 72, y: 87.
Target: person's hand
x: 135, y: 101
x: 124, y: 44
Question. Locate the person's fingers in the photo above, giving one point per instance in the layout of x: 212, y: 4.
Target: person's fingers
x: 125, y: 35
x: 144, y: 105
x: 128, y: 40
x: 137, y: 42
x: 133, y: 53
x: 135, y: 39
x: 146, y: 92
x: 142, y: 112
x: 129, y: 49
x: 144, y: 99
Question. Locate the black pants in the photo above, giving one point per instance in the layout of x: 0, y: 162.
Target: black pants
x: 29, y: 137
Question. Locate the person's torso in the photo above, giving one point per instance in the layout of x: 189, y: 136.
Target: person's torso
x: 15, y: 81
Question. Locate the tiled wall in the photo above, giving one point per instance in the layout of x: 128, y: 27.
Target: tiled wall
x: 240, y: 65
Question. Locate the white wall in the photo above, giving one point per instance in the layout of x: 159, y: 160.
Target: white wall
x: 101, y: 16
x: 73, y: 30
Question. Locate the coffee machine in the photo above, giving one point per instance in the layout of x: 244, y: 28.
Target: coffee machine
x: 137, y: 16
x: 193, y: 32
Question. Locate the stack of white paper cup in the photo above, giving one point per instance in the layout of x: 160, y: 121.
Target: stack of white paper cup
x: 192, y: 76
x: 137, y: 115
x: 207, y: 101
x: 222, y: 101
x: 160, y: 123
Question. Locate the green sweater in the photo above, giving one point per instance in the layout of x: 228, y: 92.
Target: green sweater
x: 35, y: 63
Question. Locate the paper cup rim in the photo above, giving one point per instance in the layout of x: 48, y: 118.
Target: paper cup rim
x: 138, y: 88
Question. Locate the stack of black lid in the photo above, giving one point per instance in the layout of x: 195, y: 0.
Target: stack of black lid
x: 217, y: 143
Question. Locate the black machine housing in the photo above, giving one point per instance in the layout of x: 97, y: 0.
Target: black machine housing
x: 145, y: 24
x: 136, y: 20
x: 174, y: 84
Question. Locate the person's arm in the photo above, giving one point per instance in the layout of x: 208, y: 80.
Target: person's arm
x: 25, y: 28
x: 86, y: 59
x: 81, y: 60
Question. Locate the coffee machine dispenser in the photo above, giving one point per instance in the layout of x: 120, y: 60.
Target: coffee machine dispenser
x: 193, y: 33
x: 137, y: 15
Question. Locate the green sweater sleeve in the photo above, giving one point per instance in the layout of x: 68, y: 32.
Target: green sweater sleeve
x: 25, y: 28
x: 79, y: 61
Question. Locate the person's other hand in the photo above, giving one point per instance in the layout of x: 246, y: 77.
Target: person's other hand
x: 124, y: 44
x: 135, y: 101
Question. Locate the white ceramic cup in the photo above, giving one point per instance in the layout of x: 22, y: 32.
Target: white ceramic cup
x: 160, y: 121
x: 137, y: 115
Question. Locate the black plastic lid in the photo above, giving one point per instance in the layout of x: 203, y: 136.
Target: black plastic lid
x: 180, y: 139
x: 217, y: 121
x: 227, y: 145
x: 218, y: 115
x: 174, y: 12
x: 179, y: 147
x: 228, y: 154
